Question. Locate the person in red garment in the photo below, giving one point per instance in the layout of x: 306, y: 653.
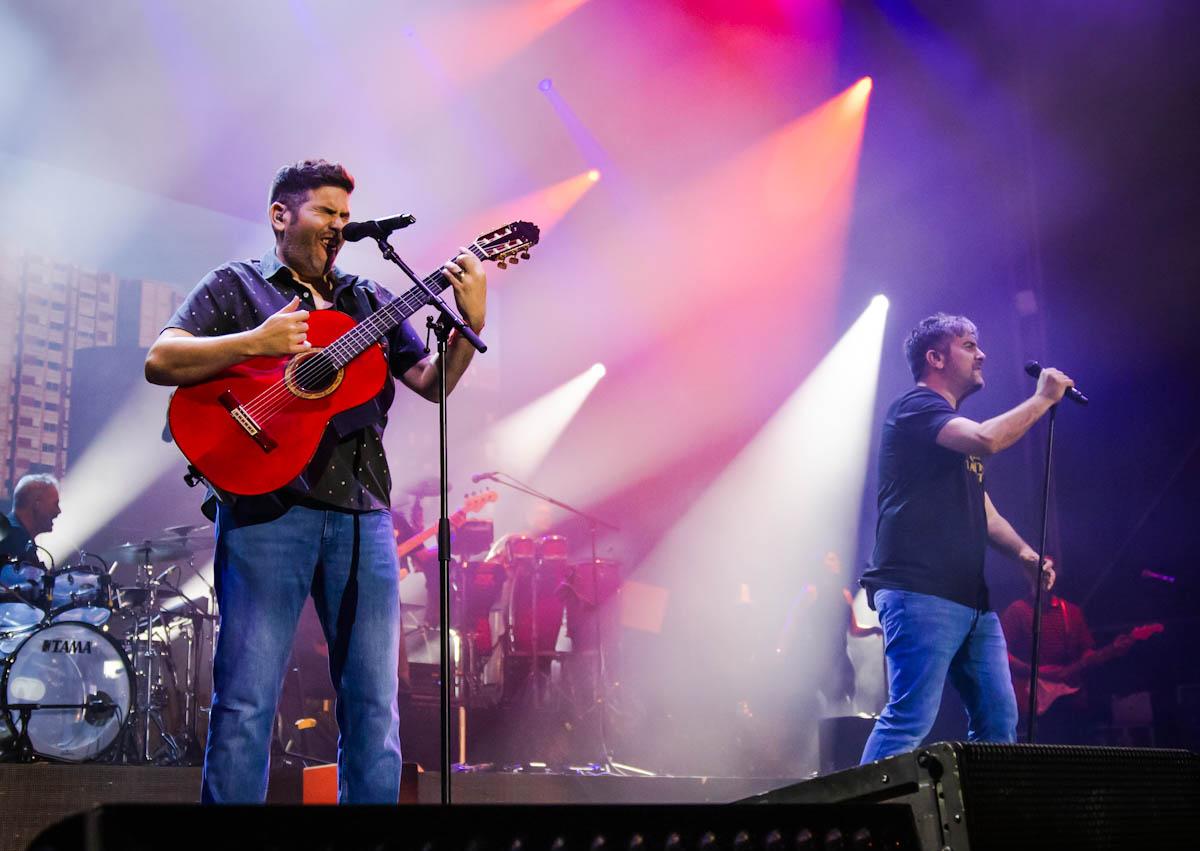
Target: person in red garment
x: 1066, y: 652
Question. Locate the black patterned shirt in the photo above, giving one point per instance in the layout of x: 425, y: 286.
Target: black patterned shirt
x: 349, y: 470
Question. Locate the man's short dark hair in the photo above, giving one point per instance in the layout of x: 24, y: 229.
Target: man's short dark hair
x: 932, y: 332
x: 293, y: 182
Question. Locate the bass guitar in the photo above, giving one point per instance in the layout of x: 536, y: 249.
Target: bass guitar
x: 472, y: 503
x: 254, y: 427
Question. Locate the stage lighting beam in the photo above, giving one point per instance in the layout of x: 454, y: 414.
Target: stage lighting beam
x: 521, y: 440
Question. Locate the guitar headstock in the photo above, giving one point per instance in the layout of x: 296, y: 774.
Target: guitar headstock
x: 475, y: 501
x: 509, y: 244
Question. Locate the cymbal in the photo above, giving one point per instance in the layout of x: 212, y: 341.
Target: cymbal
x: 187, y: 530
x: 151, y: 550
x: 430, y: 486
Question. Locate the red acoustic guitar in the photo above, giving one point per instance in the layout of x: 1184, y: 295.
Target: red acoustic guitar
x: 254, y: 427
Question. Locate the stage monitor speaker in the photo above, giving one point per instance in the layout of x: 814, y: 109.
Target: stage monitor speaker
x: 486, y: 828
x: 987, y: 797
x: 35, y: 796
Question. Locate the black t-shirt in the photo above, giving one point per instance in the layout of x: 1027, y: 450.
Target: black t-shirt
x: 932, y: 530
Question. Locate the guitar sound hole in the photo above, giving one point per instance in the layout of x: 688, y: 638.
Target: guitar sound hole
x: 314, y: 374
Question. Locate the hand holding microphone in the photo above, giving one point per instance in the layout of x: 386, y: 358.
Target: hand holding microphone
x: 1054, y: 384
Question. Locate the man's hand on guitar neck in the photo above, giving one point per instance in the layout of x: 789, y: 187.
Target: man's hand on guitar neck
x: 466, y: 275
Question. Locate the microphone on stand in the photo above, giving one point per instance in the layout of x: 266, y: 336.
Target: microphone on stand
x: 377, y: 229
x: 1034, y: 369
x: 99, y: 708
x: 479, y: 477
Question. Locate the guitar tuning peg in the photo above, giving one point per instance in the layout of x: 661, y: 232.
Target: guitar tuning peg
x: 524, y: 255
x: 502, y: 263
x: 513, y: 259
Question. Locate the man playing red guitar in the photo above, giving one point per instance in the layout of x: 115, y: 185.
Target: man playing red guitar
x: 1066, y: 651
x: 328, y: 533
x: 1065, y: 640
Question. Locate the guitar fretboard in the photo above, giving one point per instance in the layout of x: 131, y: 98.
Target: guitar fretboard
x: 355, y: 341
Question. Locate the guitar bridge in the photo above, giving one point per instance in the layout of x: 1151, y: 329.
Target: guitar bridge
x: 256, y: 433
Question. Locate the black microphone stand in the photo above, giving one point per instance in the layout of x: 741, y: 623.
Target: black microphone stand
x: 1039, y: 583
x: 441, y: 327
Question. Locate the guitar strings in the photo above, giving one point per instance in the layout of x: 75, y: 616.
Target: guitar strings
x: 354, y: 342
x: 320, y: 365
x: 316, y: 368
x: 324, y: 364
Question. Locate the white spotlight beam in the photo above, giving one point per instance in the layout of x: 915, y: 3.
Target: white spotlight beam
x: 519, y: 442
x: 122, y: 461
x: 798, y: 483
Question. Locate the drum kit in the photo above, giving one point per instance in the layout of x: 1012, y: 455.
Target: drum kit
x: 521, y: 614
x: 93, y: 669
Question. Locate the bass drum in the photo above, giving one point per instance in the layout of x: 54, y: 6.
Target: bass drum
x: 75, y: 664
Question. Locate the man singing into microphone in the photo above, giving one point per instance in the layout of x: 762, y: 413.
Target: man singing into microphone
x: 935, y: 522
x: 329, y: 533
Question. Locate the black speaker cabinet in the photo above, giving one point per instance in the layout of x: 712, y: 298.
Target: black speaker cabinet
x: 486, y: 828
x: 980, y: 797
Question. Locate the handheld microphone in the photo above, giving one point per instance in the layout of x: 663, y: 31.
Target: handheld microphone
x: 377, y: 229
x: 479, y: 477
x: 1034, y: 369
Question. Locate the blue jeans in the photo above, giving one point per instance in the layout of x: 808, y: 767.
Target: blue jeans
x: 264, y: 574
x: 926, y: 640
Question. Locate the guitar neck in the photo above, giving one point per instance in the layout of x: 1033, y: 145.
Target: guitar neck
x: 407, y: 546
x: 1111, y: 650
x: 359, y: 338
x: 1104, y: 655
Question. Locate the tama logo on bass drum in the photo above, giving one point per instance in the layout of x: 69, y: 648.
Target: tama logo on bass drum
x: 74, y: 646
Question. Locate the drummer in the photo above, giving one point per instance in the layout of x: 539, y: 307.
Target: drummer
x: 34, y: 507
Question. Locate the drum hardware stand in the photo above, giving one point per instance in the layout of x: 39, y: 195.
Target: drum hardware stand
x: 535, y: 679
x: 468, y: 676
x: 441, y: 327
x: 607, y: 764
x: 24, y: 747
x: 144, y: 710
x: 189, y: 751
